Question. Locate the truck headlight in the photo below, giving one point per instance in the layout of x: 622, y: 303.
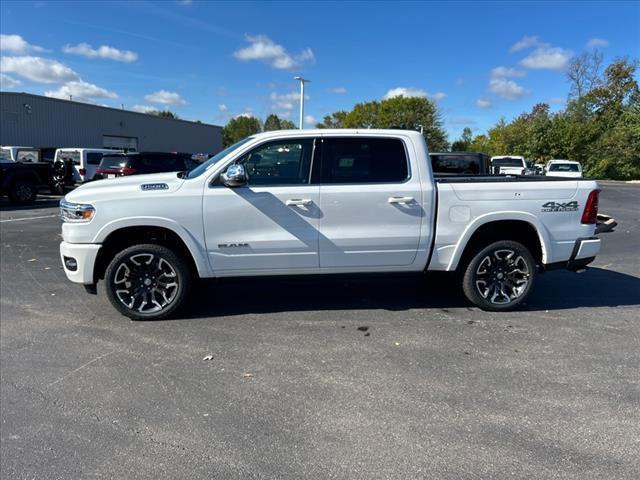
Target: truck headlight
x: 76, y: 212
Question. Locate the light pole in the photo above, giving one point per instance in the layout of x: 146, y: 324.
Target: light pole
x: 302, y: 82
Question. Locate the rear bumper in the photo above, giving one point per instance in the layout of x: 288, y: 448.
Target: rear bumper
x: 584, y: 252
x: 83, y: 256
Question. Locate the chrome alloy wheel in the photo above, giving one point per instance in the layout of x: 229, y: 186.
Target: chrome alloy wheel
x: 145, y: 283
x: 502, y: 276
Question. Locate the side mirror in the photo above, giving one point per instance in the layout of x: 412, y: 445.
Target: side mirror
x: 235, y: 176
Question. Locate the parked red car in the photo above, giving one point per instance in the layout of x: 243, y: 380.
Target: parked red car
x: 119, y: 164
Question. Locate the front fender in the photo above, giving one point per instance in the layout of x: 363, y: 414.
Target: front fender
x: 196, y: 246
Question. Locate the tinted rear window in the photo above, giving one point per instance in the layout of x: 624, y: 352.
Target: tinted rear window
x: 464, y: 164
x: 507, y: 162
x: 94, y: 158
x: 114, y: 161
x: 364, y: 160
x: 564, y: 167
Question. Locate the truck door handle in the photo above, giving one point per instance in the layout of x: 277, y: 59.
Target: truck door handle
x: 400, y: 199
x: 293, y: 202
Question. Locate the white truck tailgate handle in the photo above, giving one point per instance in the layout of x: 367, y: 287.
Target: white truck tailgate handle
x: 298, y: 202
x: 400, y: 199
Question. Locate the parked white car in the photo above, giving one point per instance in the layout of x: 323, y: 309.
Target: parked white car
x: 85, y: 161
x: 563, y: 168
x: 303, y: 202
x: 21, y: 154
x: 511, y: 165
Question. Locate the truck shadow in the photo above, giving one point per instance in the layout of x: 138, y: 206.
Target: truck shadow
x: 554, y: 291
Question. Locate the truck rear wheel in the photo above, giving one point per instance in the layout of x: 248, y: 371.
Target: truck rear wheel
x: 147, y: 282
x: 500, y: 276
x: 23, y: 191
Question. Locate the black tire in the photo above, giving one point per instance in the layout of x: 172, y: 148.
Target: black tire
x: 23, y: 191
x: 500, y: 276
x: 59, y: 177
x: 141, y: 276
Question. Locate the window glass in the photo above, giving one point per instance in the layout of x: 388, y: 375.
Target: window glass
x: 463, y: 164
x: 28, y: 156
x: 70, y: 155
x: 94, y: 158
x: 507, y: 162
x: 279, y: 163
x: 564, y: 167
x: 114, y: 161
x: 364, y: 160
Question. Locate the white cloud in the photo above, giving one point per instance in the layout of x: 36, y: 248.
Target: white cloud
x: 404, y: 92
x: 310, y: 120
x: 263, y: 48
x: 143, y: 108
x: 597, y: 42
x: 166, y: 98
x: 506, y: 88
x: 7, y: 82
x: 507, y: 72
x: 412, y: 92
x: 80, y: 90
x: 548, y: 58
x: 38, y: 69
x: 104, y: 51
x: 286, y: 101
x: 338, y: 90
x: 245, y: 115
x: 17, y: 44
x: 222, y: 107
x: 523, y: 43
x: 483, y: 103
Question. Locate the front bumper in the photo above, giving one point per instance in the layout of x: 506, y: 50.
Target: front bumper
x: 81, y: 269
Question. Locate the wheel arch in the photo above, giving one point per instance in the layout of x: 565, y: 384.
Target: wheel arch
x: 123, y: 235
x: 522, y: 227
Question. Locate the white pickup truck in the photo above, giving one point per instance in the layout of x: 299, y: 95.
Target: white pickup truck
x: 322, y: 202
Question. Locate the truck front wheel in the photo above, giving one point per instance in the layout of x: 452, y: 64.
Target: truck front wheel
x: 500, y: 276
x: 147, y: 282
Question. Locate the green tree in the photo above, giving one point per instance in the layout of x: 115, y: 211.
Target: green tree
x: 164, y: 114
x: 464, y: 142
x: 335, y: 120
x: 272, y: 122
x: 239, y: 128
x: 412, y: 113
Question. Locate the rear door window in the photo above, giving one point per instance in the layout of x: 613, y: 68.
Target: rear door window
x: 364, y: 160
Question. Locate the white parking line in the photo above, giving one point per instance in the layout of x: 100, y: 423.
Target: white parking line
x: 28, y: 218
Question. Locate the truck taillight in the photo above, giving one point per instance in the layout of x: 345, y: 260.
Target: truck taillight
x: 590, y: 214
x: 82, y: 171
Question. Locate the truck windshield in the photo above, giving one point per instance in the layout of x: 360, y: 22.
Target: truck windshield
x: 200, y: 169
x: 507, y: 162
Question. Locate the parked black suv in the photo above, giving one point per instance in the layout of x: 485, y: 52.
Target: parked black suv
x: 135, y: 163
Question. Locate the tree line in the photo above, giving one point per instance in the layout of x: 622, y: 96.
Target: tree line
x: 599, y: 126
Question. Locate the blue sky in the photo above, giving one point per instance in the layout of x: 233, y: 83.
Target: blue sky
x: 479, y: 61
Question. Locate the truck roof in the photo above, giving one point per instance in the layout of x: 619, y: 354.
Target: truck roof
x: 337, y: 131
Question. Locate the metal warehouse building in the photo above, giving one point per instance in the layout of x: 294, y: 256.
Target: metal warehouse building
x: 42, y: 122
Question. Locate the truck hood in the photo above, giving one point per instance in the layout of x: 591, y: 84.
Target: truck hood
x: 132, y: 186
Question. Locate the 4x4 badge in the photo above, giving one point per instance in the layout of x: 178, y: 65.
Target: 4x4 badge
x: 560, y: 207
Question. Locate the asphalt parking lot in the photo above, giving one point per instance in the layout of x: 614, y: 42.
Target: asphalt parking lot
x: 316, y: 378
